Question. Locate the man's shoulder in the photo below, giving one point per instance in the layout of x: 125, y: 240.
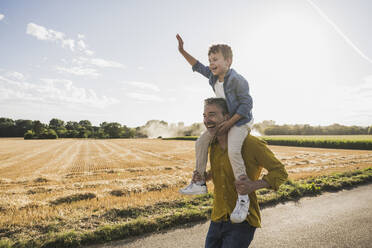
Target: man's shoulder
x: 253, y: 142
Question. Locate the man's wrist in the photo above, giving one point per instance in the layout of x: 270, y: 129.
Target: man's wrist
x: 260, y: 184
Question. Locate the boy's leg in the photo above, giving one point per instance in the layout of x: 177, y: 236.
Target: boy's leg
x: 201, y: 151
x: 236, y: 137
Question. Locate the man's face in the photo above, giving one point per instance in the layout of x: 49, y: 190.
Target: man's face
x: 218, y: 64
x: 213, y: 117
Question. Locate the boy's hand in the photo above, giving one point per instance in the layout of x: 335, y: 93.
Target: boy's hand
x: 192, y: 61
x: 224, y: 127
x: 180, y: 43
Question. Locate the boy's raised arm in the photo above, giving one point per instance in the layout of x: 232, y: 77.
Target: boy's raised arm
x: 192, y: 61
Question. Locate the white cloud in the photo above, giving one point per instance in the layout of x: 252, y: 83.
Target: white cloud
x: 69, y: 43
x: 81, y: 36
x: 82, y: 61
x: 42, y: 33
x: 145, y: 97
x: 368, y: 79
x: 83, y: 66
x: 79, y: 71
x: 89, y: 52
x: 1, y: 17
x: 144, y: 86
x: 106, y: 63
x: 81, y: 45
x: 15, y: 75
x: 52, y: 91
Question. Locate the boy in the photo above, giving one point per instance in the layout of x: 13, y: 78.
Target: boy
x: 231, y: 86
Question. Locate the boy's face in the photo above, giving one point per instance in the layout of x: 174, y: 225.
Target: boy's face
x: 218, y: 64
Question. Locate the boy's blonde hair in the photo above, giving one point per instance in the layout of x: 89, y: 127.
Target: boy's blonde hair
x: 223, y: 48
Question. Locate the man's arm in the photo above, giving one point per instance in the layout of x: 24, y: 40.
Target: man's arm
x: 277, y: 173
x: 245, y: 186
x: 192, y: 61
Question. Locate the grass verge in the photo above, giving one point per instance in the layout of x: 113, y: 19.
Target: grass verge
x: 335, y: 142
x: 142, y: 220
x: 356, y: 142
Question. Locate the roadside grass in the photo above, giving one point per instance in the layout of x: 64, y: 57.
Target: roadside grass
x: 135, y: 221
x: 358, y: 142
x: 182, y: 138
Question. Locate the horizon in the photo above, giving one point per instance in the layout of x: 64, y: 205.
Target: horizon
x: 183, y: 124
x: 306, y: 62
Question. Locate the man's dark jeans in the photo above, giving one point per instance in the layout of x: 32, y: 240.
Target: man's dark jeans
x: 225, y: 234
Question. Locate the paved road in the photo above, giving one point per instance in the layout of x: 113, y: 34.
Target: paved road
x: 342, y: 219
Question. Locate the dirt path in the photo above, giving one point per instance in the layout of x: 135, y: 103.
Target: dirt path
x: 341, y: 219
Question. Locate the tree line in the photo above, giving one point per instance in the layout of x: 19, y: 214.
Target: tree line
x: 270, y: 128
x: 34, y: 129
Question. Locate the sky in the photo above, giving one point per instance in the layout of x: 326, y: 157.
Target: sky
x: 306, y: 61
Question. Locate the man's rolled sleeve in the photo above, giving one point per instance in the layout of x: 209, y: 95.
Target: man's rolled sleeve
x: 277, y: 174
x: 275, y: 178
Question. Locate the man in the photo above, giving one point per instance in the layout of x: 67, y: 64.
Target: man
x: 256, y: 155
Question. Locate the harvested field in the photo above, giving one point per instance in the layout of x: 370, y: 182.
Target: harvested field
x: 56, y: 185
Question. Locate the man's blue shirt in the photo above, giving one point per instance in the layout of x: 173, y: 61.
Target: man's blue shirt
x: 236, y: 91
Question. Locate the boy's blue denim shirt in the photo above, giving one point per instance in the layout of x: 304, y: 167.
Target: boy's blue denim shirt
x: 236, y: 90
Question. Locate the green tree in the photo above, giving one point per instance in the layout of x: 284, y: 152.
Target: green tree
x: 29, y: 134
x: 7, y: 127
x: 48, y: 134
x: 22, y: 126
x: 86, y: 124
x: 72, y: 125
x: 38, y: 127
x: 113, y: 129
x: 56, y: 123
x: 61, y: 132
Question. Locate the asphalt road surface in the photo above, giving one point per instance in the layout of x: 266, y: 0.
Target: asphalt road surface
x: 342, y: 219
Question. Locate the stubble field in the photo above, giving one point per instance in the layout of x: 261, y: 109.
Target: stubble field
x: 54, y: 185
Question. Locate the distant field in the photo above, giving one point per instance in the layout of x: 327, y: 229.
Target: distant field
x: 358, y: 142
x: 323, y: 137
x: 362, y: 142
x: 51, y: 186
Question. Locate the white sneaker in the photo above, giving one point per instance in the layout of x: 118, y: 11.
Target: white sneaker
x: 240, y: 211
x: 194, y: 189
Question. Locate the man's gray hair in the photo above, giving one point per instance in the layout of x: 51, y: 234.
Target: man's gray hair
x: 219, y: 102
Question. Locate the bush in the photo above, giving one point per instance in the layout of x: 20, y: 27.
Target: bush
x: 29, y: 134
x: 48, y: 134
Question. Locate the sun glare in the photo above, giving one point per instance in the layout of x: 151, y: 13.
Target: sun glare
x: 294, y: 41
